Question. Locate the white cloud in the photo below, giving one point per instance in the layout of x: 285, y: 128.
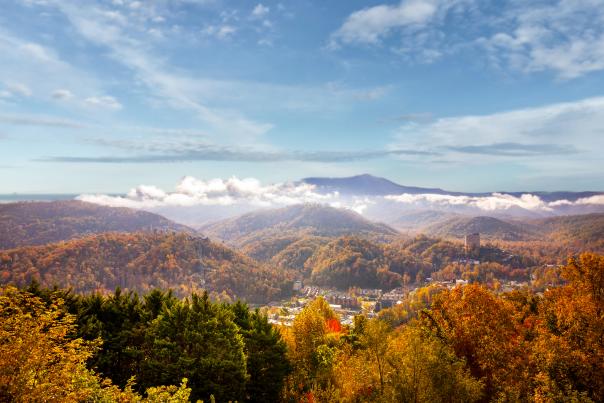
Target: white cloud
x: 265, y: 42
x: 41, y: 120
x: 19, y: 89
x: 357, y: 94
x: 552, y: 138
x: 220, y: 32
x: 565, y: 37
x: 598, y: 199
x: 116, y: 17
x: 370, y: 25
x: 172, y: 88
x: 38, y: 51
x: 260, y: 11
x: 551, y: 122
x: 250, y: 193
x: 190, y: 191
x: 218, y: 104
x: 62, y: 94
x: 497, y: 201
x: 31, y: 69
x: 104, y: 101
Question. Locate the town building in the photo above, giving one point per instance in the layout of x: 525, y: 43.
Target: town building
x: 472, y: 242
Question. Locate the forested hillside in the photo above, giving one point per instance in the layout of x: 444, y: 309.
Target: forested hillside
x: 586, y: 228
x: 355, y: 262
x: 141, y: 262
x: 464, y: 344
x: 295, y: 221
x: 296, y: 254
x: 350, y: 262
x: 415, y: 221
x: 488, y: 227
x: 38, y: 223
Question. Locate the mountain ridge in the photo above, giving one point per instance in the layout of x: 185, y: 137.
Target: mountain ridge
x: 370, y: 185
x: 142, y: 261
x: 300, y: 219
x: 38, y: 223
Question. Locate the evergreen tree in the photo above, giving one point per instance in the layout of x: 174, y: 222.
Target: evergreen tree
x: 267, y: 363
x: 197, y: 340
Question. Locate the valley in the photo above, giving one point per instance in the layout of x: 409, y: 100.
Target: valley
x: 266, y: 283
x: 261, y: 255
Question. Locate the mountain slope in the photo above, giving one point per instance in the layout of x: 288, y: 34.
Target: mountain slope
x: 295, y: 221
x: 488, y: 227
x: 369, y: 185
x: 141, y: 262
x: 354, y: 262
x: 417, y: 220
x: 584, y: 228
x: 37, y: 223
x: 295, y: 255
x: 366, y: 185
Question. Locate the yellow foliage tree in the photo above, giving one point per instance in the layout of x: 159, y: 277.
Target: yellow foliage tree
x: 41, y: 362
x: 485, y: 331
x: 37, y: 361
x: 570, y: 346
x: 311, y: 341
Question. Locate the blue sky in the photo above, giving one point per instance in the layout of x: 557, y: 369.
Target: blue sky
x: 102, y: 96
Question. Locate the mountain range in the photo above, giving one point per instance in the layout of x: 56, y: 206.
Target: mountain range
x: 258, y: 255
x: 369, y: 185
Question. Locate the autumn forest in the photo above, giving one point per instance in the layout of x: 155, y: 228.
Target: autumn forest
x: 112, y: 305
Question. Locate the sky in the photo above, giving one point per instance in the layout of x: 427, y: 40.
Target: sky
x: 467, y: 95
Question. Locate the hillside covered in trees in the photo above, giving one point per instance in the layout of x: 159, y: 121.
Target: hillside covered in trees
x: 465, y: 344
x: 586, y: 229
x: 324, y: 246
x: 488, y: 227
x: 353, y: 262
x: 295, y: 221
x: 144, y: 261
x: 38, y: 223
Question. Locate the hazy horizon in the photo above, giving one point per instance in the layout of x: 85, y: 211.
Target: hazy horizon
x: 23, y: 196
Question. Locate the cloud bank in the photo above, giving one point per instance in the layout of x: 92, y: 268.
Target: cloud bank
x: 190, y: 191
x: 496, y: 201
x: 250, y: 192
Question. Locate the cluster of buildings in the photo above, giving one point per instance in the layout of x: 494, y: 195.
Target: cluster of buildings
x: 347, y: 304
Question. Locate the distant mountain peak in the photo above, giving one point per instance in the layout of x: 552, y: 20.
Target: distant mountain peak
x: 366, y: 184
x: 370, y: 185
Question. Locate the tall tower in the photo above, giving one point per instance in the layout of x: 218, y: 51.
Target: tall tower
x: 472, y: 242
